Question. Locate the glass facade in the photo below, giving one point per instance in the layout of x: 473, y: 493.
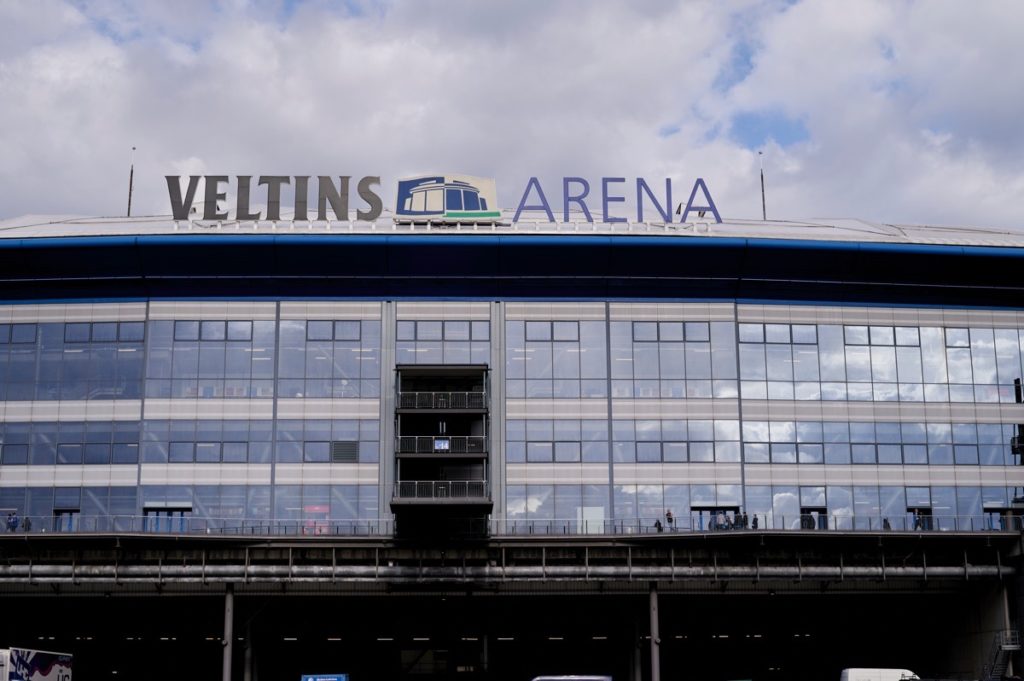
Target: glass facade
x: 272, y: 416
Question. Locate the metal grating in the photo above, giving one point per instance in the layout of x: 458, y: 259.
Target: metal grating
x: 344, y: 451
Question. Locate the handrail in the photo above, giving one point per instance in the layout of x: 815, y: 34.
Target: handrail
x: 185, y: 521
x: 441, y: 489
x: 442, y: 400
x: 441, y: 444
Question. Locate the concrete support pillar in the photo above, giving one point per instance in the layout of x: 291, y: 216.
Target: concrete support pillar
x: 229, y: 633
x: 655, y: 635
x: 247, y: 671
x: 1005, y: 597
x: 1019, y: 589
x: 485, y: 662
x: 636, y: 670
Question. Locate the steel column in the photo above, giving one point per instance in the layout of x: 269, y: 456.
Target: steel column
x: 655, y: 635
x: 229, y: 634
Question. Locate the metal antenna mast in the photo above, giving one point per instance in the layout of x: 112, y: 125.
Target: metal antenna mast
x: 764, y: 211
x: 131, y: 181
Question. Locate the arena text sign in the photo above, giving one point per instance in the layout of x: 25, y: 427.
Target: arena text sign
x: 452, y: 198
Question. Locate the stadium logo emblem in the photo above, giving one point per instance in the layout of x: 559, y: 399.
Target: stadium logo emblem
x: 453, y: 198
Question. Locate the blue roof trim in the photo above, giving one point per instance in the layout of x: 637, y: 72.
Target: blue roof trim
x: 491, y: 266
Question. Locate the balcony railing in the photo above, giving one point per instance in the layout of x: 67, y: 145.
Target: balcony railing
x: 442, y: 400
x: 436, y: 444
x: 812, y: 524
x: 471, y: 490
x: 441, y: 489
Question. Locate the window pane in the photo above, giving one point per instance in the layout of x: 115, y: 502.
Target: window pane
x: 776, y: 333
x: 645, y: 331
x: 670, y: 331
x: 407, y: 331
x: 456, y: 331
x: 319, y: 330
x: 23, y: 333
x: 239, y: 331
x: 104, y: 331
x: 186, y: 331
x: 566, y: 331
x: 805, y: 333
x: 539, y: 451
x: 481, y: 331
x: 907, y: 335
x: 76, y: 333
x: 856, y: 335
x: 881, y: 335
x: 697, y: 331
x: 213, y: 331
x: 957, y: 338
x: 429, y: 331
x: 751, y: 333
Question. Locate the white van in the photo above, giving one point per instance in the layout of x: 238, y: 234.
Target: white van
x: 878, y: 675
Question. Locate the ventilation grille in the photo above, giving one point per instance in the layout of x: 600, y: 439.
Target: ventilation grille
x: 344, y: 451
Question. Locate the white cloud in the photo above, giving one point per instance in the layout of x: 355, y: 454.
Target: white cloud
x: 911, y: 109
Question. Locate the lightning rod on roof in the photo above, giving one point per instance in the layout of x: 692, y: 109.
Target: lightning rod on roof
x: 131, y: 181
x: 764, y: 211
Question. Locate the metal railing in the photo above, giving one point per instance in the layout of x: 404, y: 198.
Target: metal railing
x: 1009, y: 640
x: 442, y: 400
x: 189, y: 523
x: 441, y: 444
x: 1004, y: 643
x: 810, y: 523
x: 441, y: 489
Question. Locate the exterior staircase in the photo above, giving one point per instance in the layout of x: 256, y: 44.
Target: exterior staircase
x: 1004, y: 644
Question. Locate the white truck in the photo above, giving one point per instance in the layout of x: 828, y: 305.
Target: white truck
x: 878, y: 675
x: 22, y: 664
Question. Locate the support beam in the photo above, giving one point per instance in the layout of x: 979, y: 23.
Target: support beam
x: 655, y: 635
x: 229, y: 634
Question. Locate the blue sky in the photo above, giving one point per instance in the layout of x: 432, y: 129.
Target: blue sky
x: 892, y: 111
x: 755, y: 129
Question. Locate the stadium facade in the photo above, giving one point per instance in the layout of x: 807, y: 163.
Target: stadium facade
x: 737, y: 450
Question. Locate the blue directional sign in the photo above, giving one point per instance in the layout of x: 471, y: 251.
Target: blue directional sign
x: 324, y: 677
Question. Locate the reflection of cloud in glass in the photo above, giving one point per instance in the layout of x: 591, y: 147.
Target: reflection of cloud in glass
x: 959, y: 365
x: 883, y: 363
x: 516, y: 507
x: 783, y: 431
x: 983, y: 355
x: 786, y: 506
x: 812, y: 496
x: 755, y: 431
x: 727, y: 430
x: 729, y: 495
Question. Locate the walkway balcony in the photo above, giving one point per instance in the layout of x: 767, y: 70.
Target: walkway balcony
x: 441, y: 445
x: 443, y: 400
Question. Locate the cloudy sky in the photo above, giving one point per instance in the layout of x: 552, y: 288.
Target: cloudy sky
x: 892, y: 111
